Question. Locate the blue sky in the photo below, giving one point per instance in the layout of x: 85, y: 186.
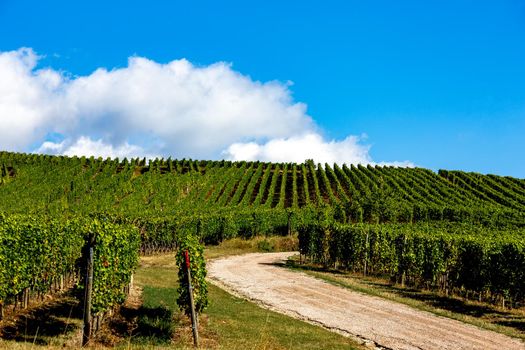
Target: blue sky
x: 440, y: 84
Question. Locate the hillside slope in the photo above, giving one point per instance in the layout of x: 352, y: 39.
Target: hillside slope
x: 161, y: 188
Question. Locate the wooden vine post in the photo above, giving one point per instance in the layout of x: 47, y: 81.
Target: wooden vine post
x: 289, y: 223
x: 88, y: 292
x: 366, y: 253
x: 194, y: 321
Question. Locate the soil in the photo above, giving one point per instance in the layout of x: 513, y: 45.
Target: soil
x: 372, y: 320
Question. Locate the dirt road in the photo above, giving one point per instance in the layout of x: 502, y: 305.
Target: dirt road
x: 387, y: 324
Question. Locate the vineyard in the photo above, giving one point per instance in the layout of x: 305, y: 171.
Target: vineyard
x: 166, y: 188
x: 488, y: 265
x: 451, y: 231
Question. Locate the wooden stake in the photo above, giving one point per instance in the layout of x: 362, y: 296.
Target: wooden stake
x: 26, y: 297
x: 194, y: 321
x: 366, y: 254
x: 88, y: 288
x: 289, y: 224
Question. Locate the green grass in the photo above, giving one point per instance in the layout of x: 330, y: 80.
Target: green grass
x: 155, y: 324
x: 505, y: 321
x: 229, y: 322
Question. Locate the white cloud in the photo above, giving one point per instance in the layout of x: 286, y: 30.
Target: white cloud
x: 85, y: 146
x: 27, y: 98
x: 175, y: 109
x: 299, y: 148
x: 49, y: 147
x: 308, y: 146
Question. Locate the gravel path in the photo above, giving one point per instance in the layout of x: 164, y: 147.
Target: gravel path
x: 371, y: 319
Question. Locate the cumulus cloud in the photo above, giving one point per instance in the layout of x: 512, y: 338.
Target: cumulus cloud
x: 299, y: 148
x: 27, y: 98
x: 308, y: 146
x: 147, y: 109
x: 85, y: 146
